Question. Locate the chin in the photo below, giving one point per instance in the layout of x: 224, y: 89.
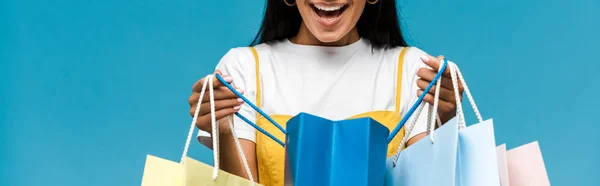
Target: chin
x: 328, y: 37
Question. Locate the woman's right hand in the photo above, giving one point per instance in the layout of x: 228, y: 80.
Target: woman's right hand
x: 226, y: 103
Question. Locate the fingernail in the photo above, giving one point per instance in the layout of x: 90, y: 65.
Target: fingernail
x: 424, y: 58
x: 240, y: 91
x: 240, y: 100
x: 228, y: 79
x: 218, y: 72
x: 236, y: 108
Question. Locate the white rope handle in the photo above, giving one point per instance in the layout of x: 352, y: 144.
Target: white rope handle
x: 411, y: 125
x: 240, y: 150
x: 455, y: 75
x: 469, y: 95
x: 437, y: 118
x: 215, y: 127
x: 195, y: 118
x: 433, y: 111
x: 430, y: 120
x: 208, y: 80
x: 459, y: 110
x: 454, y: 72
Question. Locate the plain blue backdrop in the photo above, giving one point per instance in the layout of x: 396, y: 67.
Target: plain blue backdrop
x: 88, y: 88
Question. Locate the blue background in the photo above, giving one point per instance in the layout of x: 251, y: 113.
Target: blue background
x: 89, y: 88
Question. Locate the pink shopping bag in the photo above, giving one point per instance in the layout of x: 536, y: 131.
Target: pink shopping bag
x: 502, y: 166
x: 526, y: 166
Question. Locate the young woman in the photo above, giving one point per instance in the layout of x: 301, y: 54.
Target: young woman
x: 337, y: 59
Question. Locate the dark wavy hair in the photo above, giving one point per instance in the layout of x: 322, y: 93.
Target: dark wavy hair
x: 378, y: 23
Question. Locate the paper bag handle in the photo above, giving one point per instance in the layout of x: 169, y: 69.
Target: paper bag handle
x: 257, y: 110
x: 454, y: 72
x: 430, y: 120
x: 418, y: 102
x: 215, y: 132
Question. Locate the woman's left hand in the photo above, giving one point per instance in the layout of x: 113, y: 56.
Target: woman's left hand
x: 447, y: 101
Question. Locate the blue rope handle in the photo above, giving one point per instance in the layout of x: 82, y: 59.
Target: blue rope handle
x: 414, y: 107
x: 257, y: 110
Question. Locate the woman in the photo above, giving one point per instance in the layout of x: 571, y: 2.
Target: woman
x: 337, y: 59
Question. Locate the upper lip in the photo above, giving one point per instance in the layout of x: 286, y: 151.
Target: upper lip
x: 328, y: 4
x: 328, y: 7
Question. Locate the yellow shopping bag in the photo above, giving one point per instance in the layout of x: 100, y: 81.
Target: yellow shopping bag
x: 163, y: 172
x: 191, y: 172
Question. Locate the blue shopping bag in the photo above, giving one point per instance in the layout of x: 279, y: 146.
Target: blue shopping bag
x: 465, y: 157
x: 324, y: 152
x: 477, y: 158
x: 425, y: 163
x: 470, y: 153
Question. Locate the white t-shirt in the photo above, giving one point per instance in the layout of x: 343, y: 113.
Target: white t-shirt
x: 330, y: 82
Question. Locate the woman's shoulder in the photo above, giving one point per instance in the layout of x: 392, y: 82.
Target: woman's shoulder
x: 409, y: 51
x: 411, y: 56
x: 246, y: 54
x: 243, y: 60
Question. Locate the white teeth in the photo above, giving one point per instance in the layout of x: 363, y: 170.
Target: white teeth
x: 328, y: 8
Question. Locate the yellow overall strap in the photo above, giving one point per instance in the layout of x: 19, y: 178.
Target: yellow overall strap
x: 258, y: 93
x: 399, y: 78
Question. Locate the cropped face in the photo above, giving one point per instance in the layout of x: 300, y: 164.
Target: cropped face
x: 330, y: 20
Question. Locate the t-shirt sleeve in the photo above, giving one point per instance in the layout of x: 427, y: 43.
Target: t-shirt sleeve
x: 412, y: 64
x: 236, y: 64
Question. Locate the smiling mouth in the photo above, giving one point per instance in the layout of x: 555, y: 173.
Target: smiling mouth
x: 328, y: 14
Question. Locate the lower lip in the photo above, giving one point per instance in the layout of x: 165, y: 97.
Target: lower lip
x: 328, y: 22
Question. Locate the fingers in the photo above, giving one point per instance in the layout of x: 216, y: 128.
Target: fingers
x: 429, y: 74
x: 435, y: 63
x: 445, y: 94
x: 220, y: 104
x: 444, y: 107
x: 225, y: 101
x: 204, y: 121
x: 221, y: 93
x: 197, y: 87
x: 217, y: 83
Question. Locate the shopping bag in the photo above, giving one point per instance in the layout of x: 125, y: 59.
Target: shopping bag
x: 163, y: 172
x: 526, y: 166
x: 502, y: 166
x: 190, y: 172
x: 425, y: 163
x: 200, y: 174
x: 474, y: 152
x: 477, y: 163
x: 324, y: 152
x: 455, y: 158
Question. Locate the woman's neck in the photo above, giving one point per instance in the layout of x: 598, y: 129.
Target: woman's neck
x: 305, y: 37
